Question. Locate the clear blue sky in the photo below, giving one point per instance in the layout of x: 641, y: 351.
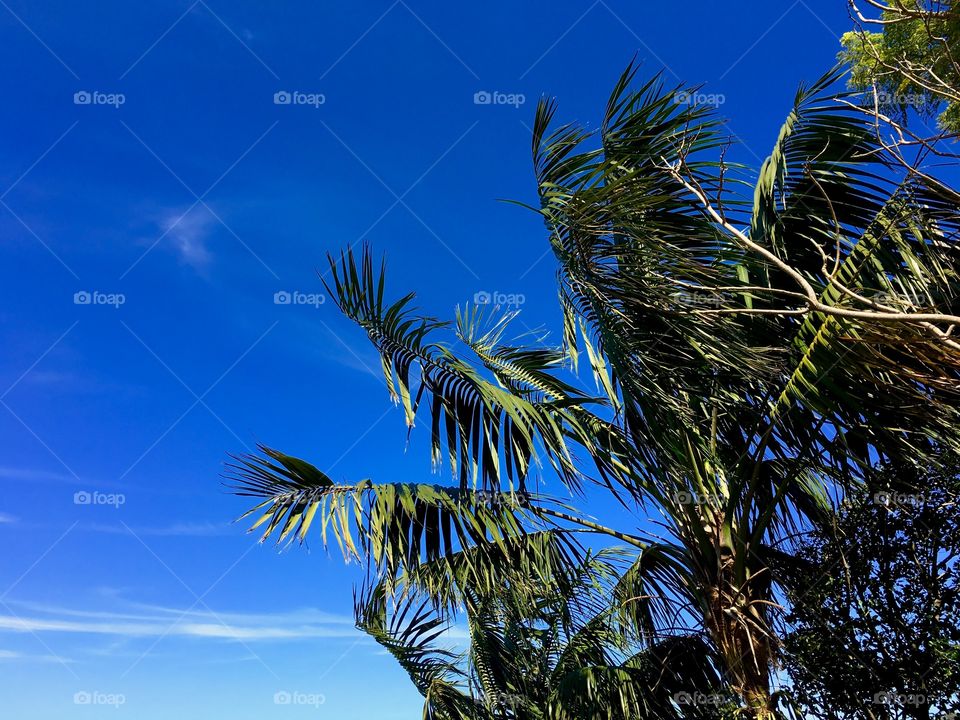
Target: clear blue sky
x: 198, y: 198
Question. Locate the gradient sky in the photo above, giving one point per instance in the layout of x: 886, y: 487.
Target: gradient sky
x: 197, y: 199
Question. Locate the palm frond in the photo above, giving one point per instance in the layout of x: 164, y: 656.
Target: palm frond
x: 487, y: 432
x: 396, y: 526
x: 410, y: 634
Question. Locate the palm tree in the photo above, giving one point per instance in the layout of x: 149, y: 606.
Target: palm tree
x: 554, y: 649
x: 754, y: 353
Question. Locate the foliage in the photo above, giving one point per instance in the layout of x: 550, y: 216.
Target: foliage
x: 558, y: 654
x: 876, y: 603
x: 826, y: 344
x: 912, y: 60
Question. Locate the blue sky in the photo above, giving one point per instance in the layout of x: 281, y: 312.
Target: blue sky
x: 185, y: 190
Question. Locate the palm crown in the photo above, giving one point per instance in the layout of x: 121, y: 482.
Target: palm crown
x: 545, y: 646
x: 753, y: 352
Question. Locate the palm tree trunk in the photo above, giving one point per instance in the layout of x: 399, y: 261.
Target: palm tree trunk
x: 748, y: 658
x: 743, y: 637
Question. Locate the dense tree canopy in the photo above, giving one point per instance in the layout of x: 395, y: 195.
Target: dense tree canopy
x: 876, y: 603
x: 907, y: 55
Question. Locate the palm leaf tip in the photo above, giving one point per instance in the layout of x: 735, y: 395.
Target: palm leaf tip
x: 291, y: 491
x: 271, y: 472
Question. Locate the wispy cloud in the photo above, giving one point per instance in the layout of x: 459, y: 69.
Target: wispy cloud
x: 22, y: 473
x: 79, y: 382
x: 35, y: 476
x: 7, y: 518
x: 23, y: 657
x: 188, y: 234
x: 183, y: 529
x: 142, y: 621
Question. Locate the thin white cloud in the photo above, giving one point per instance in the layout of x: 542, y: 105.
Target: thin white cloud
x: 7, y: 518
x: 52, y: 477
x: 21, y: 473
x: 51, y: 377
x: 79, y: 382
x: 185, y: 529
x: 143, y: 621
x: 21, y: 657
x: 188, y: 234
